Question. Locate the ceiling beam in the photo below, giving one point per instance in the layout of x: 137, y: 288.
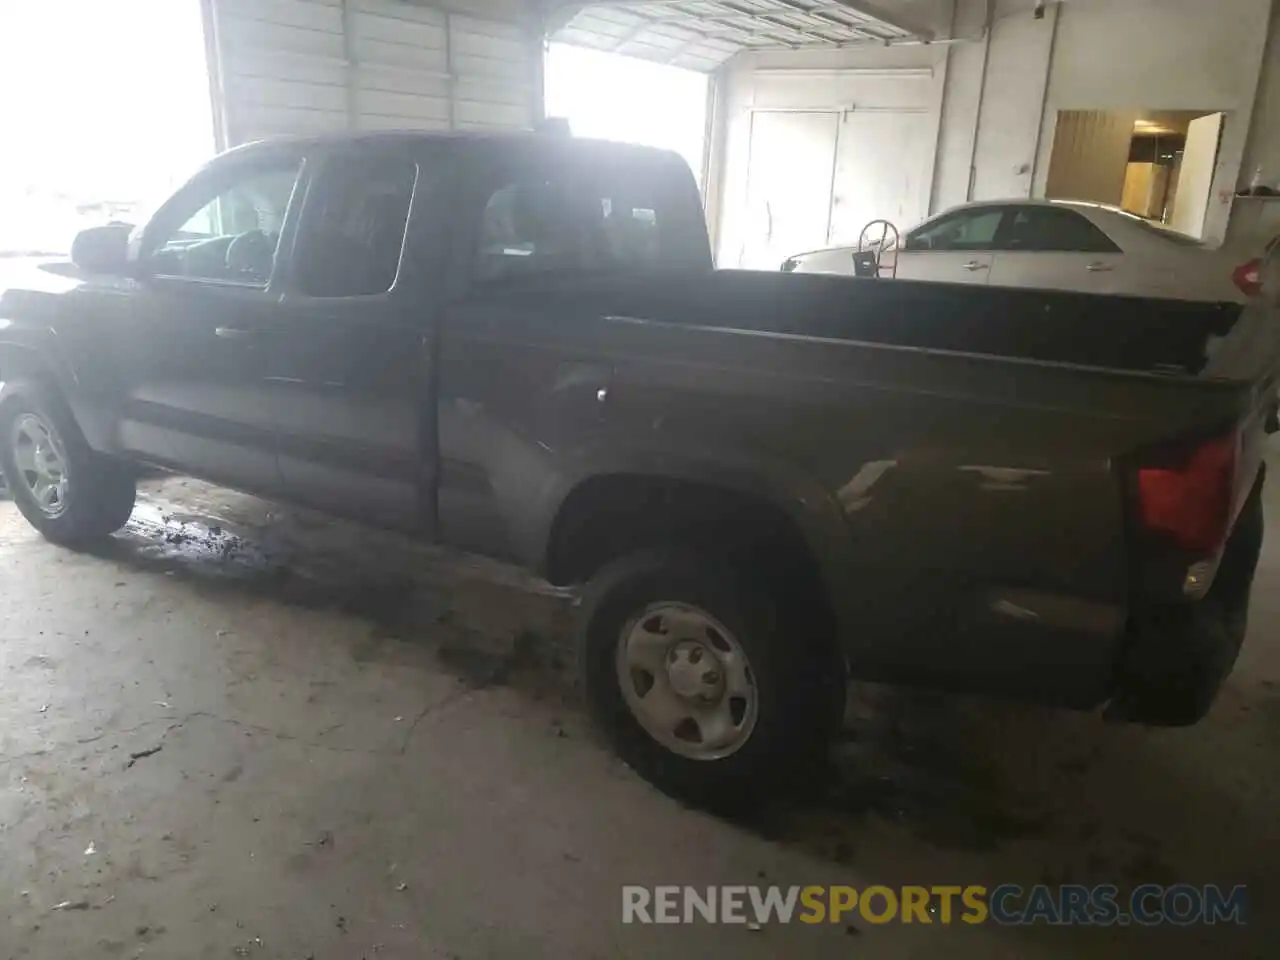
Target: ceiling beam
x: 876, y: 11
x: 821, y: 16
x: 866, y: 14
x: 560, y: 12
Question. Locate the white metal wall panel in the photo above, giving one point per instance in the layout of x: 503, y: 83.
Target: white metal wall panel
x: 1008, y: 115
x: 492, y: 64
x: 280, y: 67
x: 882, y: 171
x: 400, y: 74
x: 880, y: 159
x: 788, y: 189
x: 308, y: 66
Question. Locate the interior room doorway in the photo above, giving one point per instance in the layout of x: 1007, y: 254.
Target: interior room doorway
x: 1158, y: 164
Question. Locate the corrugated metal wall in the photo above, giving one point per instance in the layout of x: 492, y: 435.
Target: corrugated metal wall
x: 308, y: 66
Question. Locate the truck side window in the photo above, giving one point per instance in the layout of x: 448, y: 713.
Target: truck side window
x: 231, y: 237
x: 609, y: 217
x: 527, y: 228
x: 352, y: 233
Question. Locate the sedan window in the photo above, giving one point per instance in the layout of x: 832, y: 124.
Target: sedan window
x: 1046, y: 229
x: 963, y: 230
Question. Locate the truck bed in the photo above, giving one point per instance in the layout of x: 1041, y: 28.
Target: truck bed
x: 971, y: 448
x: 1119, y: 333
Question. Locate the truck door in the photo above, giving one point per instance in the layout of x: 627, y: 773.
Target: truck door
x: 350, y: 367
x: 185, y: 335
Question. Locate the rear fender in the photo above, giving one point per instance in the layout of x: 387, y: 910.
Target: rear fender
x: 814, y: 514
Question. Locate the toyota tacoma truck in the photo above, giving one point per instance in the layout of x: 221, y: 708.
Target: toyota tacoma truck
x: 517, y: 345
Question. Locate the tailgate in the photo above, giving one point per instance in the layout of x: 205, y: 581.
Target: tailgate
x: 1250, y: 355
x: 1196, y: 535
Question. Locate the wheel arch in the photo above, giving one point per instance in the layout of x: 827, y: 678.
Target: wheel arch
x: 40, y: 362
x: 20, y: 361
x: 785, y: 538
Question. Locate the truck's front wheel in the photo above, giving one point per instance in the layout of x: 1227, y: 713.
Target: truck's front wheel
x: 68, y: 492
x: 691, y: 675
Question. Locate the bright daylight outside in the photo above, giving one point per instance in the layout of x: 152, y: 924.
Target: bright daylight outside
x: 101, y: 122
x: 611, y: 97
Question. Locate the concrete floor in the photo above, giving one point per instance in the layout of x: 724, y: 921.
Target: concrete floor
x: 241, y: 730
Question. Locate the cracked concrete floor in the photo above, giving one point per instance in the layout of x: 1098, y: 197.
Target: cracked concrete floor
x: 240, y: 730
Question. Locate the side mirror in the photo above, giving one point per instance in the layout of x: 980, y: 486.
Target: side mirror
x: 102, y: 249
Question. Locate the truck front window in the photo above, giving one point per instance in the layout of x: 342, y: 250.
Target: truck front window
x: 231, y: 236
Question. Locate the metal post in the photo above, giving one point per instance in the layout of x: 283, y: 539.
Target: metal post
x: 1044, y: 100
x: 351, y: 70
x: 451, y: 83
x: 982, y: 96
x: 213, y: 67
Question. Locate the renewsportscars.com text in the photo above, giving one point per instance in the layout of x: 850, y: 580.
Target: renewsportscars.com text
x: 1008, y: 904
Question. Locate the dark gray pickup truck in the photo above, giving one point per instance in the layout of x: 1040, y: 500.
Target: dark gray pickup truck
x: 518, y: 346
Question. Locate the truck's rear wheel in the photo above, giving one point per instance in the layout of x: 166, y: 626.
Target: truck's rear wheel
x: 65, y: 490
x: 689, y: 672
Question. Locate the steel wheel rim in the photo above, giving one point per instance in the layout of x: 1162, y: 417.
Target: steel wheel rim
x: 686, y: 680
x: 41, y: 459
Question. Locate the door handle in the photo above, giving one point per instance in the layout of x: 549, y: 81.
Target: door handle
x: 1098, y: 267
x: 232, y: 333
x: 973, y: 265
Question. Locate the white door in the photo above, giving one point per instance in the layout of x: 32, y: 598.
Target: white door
x: 882, y: 162
x: 956, y: 248
x: 788, y: 186
x: 1195, y: 180
x: 1054, y: 248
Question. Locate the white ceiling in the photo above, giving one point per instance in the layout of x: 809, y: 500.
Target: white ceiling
x: 703, y: 34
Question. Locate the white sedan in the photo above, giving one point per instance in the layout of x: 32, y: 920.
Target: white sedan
x: 1051, y: 244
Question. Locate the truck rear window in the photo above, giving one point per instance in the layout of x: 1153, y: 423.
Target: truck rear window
x: 634, y: 217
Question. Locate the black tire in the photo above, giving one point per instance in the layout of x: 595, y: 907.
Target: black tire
x: 100, y: 491
x: 794, y: 721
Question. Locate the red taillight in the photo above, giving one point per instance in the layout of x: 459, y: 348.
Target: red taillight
x: 1248, y: 277
x: 1192, y: 501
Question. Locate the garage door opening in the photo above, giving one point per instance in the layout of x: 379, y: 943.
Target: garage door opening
x: 608, y: 96
x: 1157, y: 164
